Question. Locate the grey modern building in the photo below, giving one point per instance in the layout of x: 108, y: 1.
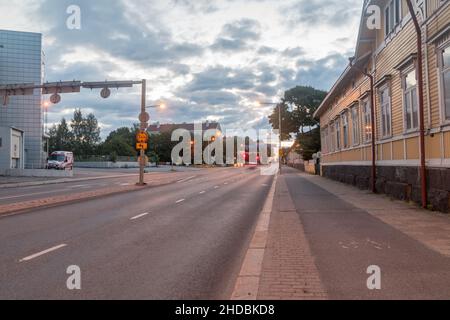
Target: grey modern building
x: 21, y: 61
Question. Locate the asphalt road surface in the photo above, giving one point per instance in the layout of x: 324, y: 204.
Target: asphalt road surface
x: 185, y: 240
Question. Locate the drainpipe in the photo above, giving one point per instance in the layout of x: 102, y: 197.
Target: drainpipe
x: 372, y: 115
x: 423, y: 169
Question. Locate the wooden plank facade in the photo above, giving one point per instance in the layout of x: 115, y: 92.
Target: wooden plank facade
x: 389, y: 53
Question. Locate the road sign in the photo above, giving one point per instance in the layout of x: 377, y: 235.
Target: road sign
x: 142, y: 137
x: 105, y: 93
x: 141, y: 146
x: 144, y: 126
x: 144, y: 117
x: 146, y: 160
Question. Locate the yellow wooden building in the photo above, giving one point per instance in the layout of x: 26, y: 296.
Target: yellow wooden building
x: 387, y: 50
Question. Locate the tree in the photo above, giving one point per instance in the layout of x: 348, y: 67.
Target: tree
x: 120, y: 142
x: 86, y: 134
x: 61, y: 137
x: 300, y: 121
x: 308, y: 143
x: 161, y: 145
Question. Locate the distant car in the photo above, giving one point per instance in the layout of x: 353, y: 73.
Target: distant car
x: 60, y: 160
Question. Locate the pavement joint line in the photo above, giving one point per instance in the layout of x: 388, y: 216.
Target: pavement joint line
x: 39, y: 254
x: 140, y: 216
x: 248, y: 281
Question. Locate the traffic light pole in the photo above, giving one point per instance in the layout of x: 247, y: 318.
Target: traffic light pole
x: 142, y: 152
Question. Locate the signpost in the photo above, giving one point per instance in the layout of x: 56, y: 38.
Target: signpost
x: 144, y: 117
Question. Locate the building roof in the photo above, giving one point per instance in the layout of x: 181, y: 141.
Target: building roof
x: 363, y: 52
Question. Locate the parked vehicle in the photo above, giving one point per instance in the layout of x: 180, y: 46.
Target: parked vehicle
x: 60, y: 160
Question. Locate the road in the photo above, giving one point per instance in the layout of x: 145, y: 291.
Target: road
x: 185, y: 240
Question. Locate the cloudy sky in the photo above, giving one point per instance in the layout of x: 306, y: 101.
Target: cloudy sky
x: 208, y: 59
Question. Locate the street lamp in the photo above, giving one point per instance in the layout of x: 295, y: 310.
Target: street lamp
x: 279, y: 127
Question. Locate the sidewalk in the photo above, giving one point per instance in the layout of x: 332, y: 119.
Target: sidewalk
x: 289, y: 271
x: 323, y: 235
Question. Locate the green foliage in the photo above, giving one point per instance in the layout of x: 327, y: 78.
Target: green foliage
x: 61, y: 138
x: 86, y: 134
x: 309, y: 143
x: 300, y: 120
x: 161, y: 145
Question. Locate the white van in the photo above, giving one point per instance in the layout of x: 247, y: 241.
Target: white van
x: 60, y: 160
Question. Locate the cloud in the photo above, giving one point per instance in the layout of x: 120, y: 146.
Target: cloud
x: 318, y: 12
x: 238, y: 35
x: 208, y: 59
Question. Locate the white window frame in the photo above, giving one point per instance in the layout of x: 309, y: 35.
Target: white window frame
x: 367, y: 120
x: 356, y: 126
x: 332, y: 137
x: 337, y: 129
x: 325, y: 140
x: 407, y: 97
x: 385, y: 107
x: 345, y: 130
x: 393, y: 18
x: 445, y: 119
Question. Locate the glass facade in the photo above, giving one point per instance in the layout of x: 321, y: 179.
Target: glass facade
x: 21, y: 62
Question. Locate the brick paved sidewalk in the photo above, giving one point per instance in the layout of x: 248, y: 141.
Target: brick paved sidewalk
x: 289, y: 271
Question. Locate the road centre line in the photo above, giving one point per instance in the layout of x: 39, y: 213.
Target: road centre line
x: 36, y: 255
x: 180, y: 201
x: 140, y: 216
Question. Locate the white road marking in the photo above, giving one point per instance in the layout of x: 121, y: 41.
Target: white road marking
x: 181, y: 200
x: 184, y: 180
x: 226, y: 183
x: 216, y: 187
x: 34, y: 256
x: 125, y: 184
x: 202, y: 192
x: 140, y: 216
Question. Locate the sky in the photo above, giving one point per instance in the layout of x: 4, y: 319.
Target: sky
x: 206, y: 59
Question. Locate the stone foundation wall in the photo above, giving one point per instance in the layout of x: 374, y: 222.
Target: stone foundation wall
x: 398, y: 182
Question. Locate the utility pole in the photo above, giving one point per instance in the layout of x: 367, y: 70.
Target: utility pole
x: 142, y: 151
x: 279, y: 142
x: 420, y: 84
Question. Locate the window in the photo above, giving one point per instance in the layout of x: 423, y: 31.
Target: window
x: 385, y: 101
x: 332, y: 138
x: 345, y: 129
x: 338, y: 134
x: 367, y: 121
x: 325, y: 146
x: 355, y: 125
x: 392, y: 16
x: 445, y: 70
x: 410, y: 101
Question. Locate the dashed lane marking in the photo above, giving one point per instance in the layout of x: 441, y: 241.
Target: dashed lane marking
x: 37, y: 255
x: 140, y: 216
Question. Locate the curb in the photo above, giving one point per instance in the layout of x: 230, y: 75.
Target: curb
x: 247, y: 283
